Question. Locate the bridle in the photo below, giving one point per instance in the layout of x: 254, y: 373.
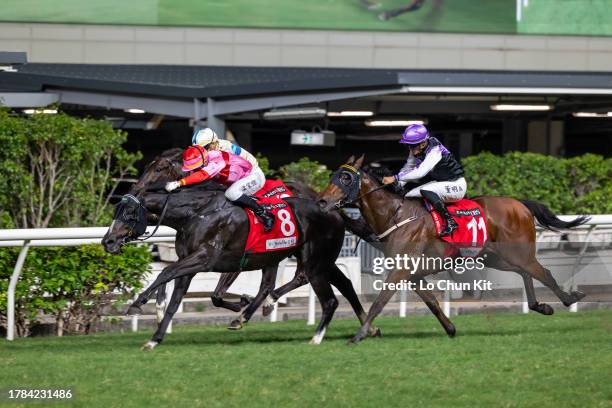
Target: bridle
x: 350, y: 186
x: 136, y: 220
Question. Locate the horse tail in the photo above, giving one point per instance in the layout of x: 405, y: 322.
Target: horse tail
x: 548, y: 219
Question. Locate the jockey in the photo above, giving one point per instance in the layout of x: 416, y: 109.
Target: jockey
x: 228, y: 169
x: 430, y: 161
x: 208, y: 139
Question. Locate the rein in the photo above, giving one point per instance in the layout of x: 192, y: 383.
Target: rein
x: 140, y: 206
x: 159, y: 221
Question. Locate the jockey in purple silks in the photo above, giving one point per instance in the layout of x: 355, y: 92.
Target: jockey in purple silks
x: 431, y: 164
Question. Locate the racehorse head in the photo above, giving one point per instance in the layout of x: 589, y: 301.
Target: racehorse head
x: 129, y: 222
x: 130, y: 219
x: 344, y: 185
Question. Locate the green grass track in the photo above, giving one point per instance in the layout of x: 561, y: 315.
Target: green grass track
x: 495, y: 360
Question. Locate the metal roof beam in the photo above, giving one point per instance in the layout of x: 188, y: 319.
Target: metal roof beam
x: 224, y: 107
x: 172, y: 107
x: 27, y: 99
x: 506, y: 90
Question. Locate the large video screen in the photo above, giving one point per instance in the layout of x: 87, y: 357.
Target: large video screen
x: 563, y: 17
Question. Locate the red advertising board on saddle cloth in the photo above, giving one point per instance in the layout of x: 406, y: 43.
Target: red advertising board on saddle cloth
x: 284, y: 234
x: 471, y: 236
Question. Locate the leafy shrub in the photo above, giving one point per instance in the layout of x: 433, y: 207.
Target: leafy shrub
x: 73, y: 284
x: 310, y: 172
x: 577, y: 185
x: 264, y: 164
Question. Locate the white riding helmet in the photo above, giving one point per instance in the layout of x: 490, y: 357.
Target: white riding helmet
x: 204, y: 137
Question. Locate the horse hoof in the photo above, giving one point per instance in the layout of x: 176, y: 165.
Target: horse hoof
x: 149, y: 345
x: 451, y: 331
x: 235, y: 325
x: 577, y: 295
x: 545, y: 309
x: 134, y: 311
x: 356, y: 339
x: 376, y: 332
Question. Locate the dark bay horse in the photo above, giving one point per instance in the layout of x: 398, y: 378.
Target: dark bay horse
x: 211, y: 234
x: 169, y: 161
x: 511, y: 230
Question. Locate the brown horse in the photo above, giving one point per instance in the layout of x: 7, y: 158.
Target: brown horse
x: 511, y: 231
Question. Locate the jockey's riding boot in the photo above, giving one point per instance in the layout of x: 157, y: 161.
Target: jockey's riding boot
x: 266, y: 218
x: 439, y: 206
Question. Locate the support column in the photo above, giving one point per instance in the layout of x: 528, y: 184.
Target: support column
x: 216, y: 123
x: 466, y: 144
x: 546, y: 137
x: 513, y: 135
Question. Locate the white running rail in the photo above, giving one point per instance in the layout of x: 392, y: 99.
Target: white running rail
x: 43, y: 237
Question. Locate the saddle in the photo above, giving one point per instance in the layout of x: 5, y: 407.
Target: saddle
x: 471, y: 235
x: 284, y: 234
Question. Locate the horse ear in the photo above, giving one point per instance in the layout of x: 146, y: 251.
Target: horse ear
x: 359, y: 162
x: 350, y: 160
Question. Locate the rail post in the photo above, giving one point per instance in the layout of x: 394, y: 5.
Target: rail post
x: 10, y: 324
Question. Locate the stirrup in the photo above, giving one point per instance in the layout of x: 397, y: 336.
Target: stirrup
x: 266, y: 219
x: 451, y: 226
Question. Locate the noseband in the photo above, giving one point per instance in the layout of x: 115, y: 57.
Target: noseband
x: 136, y: 222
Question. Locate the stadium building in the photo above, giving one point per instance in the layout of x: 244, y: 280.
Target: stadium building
x: 325, y: 81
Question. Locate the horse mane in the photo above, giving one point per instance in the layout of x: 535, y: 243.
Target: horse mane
x: 377, y: 173
x: 207, y: 185
x: 174, y: 153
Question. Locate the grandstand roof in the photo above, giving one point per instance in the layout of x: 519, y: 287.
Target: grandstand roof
x: 240, y: 89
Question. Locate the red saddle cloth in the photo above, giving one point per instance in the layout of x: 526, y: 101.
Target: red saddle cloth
x: 472, y: 234
x: 284, y: 234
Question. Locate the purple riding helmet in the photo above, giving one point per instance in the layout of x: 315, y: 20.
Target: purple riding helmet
x: 414, y: 134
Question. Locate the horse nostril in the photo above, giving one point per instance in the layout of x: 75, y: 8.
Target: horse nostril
x: 322, y: 203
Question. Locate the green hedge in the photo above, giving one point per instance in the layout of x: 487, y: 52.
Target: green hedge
x: 72, y: 284
x: 579, y: 185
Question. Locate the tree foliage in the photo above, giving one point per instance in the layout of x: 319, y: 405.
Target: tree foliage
x: 50, y: 162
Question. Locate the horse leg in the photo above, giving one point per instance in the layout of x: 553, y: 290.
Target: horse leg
x: 225, y: 281
x: 268, y: 280
x: 433, y: 305
x: 299, y: 279
x: 536, y: 270
x: 413, y: 6
x: 181, y: 285
x: 383, y: 298
x: 496, y: 262
x: 344, y: 285
x: 533, y: 303
x: 329, y: 303
x: 198, y: 261
x: 160, y: 303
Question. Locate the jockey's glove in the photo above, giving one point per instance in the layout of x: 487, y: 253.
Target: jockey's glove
x: 172, y: 185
